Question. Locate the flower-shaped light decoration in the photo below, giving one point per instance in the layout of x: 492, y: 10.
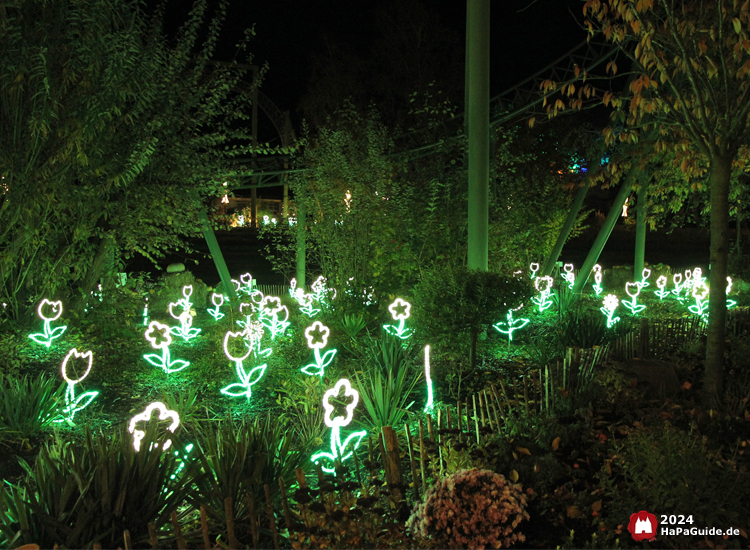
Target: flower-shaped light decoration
x: 185, y: 329
x: 400, y: 311
x: 730, y: 303
x: 511, y: 324
x: 661, y: 283
x: 145, y: 312
x: 305, y: 302
x: 246, y: 286
x: 274, y: 316
x: 340, y: 450
x: 534, y: 267
x: 73, y: 376
x: 597, y: 286
x: 247, y: 378
x: 186, y: 304
x: 633, y: 290
x: 49, y: 311
x: 293, y: 288
x: 543, y: 285
x: 700, y: 293
x: 145, y: 416
x: 610, y: 305
x: 317, y: 339
x: 698, y: 277
x: 677, y: 280
x: 159, y: 337
x: 645, y: 274
x: 247, y: 309
x: 688, y: 285
x: 569, y: 276
x: 218, y: 301
x: 428, y: 378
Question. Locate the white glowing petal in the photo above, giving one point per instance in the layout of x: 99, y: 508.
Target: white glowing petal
x: 340, y: 421
x: 74, y: 353
x: 145, y: 416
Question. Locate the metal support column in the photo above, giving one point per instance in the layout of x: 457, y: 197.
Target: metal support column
x: 301, y: 245
x: 640, y: 235
x: 218, y: 257
x: 575, y: 208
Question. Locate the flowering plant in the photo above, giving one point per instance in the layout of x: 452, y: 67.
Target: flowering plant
x: 400, y: 311
x: 317, y: 339
x: 471, y: 509
x: 48, y: 311
x: 610, y: 305
x: 543, y: 285
x: 159, y: 337
x: 74, y: 404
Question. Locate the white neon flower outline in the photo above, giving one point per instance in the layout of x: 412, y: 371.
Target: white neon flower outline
x: 729, y: 285
x: 264, y: 304
x: 661, y: 282
x: 173, y: 304
x: 549, y: 280
x: 697, y: 273
x: 145, y: 416
x: 628, y: 286
x: 237, y: 284
x: 688, y: 274
x: 645, y: 274
x: 677, y: 279
x: 156, y: 326
x: 568, y: 268
x: 56, y: 306
x: 247, y: 304
x: 319, y: 285
x: 293, y: 284
x: 186, y: 320
x: 340, y: 421
x: 317, y: 326
x: 185, y: 293
x: 254, y: 331
x: 611, y: 302
x: 399, y: 304
x: 74, y: 352
x: 700, y: 291
x: 213, y: 299
x: 246, y: 279
x: 598, y: 277
x: 532, y: 268
x: 597, y: 267
x: 241, y: 336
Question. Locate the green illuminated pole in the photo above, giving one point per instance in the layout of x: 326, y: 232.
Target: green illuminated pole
x: 602, y: 237
x: 301, y: 245
x: 640, y: 235
x: 221, y: 266
x: 478, y: 113
x: 565, y: 231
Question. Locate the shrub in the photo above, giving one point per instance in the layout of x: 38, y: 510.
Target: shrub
x: 28, y: 405
x: 471, y: 509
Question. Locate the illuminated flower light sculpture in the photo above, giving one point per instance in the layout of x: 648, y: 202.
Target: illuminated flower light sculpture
x: 428, y: 379
x: 730, y: 303
x: 159, y: 337
x: 400, y: 311
x: 677, y: 280
x: 317, y: 338
x: 247, y: 378
x: 544, y: 287
x: 218, y: 301
x: 247, y: 309
x: 534, y: 267
x: 633, y: 290
x: 687, y: 286
x: 185, y: 302
x: 253, y: 334
x: 293, y: 288
x: 610, y: 305
x: 569, y: 276
x: 700, y: 293
x: 274, y: 316
x: 645, y: 274
x: 306, y: 303
x: 511, y: 324
x: 145, y: 416
x: 247, y: 283
x: 321, y: 292
x: 74, y: 404
x: 340, y: 450
x: 597, y: 286
x: 185, y: 329
x: 698, y: 277
x: 661, y: 283
x: 49, y: 311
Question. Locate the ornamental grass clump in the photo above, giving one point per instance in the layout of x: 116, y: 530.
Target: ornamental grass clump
x: 471, y: 509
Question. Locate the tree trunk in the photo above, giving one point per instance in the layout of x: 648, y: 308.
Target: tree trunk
x: 101, y: 264
x: 721, y: 167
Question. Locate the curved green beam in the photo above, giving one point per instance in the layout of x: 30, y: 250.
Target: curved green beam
x: 639, y: 261
x: 565, y: 231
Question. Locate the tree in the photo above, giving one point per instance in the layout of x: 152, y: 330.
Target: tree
x: 110, y: 137
x: 688, y: 83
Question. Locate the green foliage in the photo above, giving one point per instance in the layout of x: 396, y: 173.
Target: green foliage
x: 387, y: 382
x: 300, y: 400
x: 28, y: 405
x: 12, y: 345
x: 81, y: 492
x: 582, y: 329
x: 353, y: 324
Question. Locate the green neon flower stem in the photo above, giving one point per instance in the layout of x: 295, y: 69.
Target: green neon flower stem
x: 427, y: 375
x: 511, y: 324
x: 247, y: 380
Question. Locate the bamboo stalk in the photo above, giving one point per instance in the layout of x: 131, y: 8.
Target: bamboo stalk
x: 429, y: 429
x: 497, y: 398
x: 181, y: 544
x: 507, y: 397
x: 459, y: 420
x: 412, y: 463
x: 204, y: 531
x: 253, y: 518
x: 494, y: 408
x: 271, y: 517
x: 448, y: 417
x: 482, y: 405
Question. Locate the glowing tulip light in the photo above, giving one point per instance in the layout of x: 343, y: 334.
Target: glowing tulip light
x: 569, y: 276
x: 597, y: 286
x: 274, y: 316
x: 633, y: 290
x: 427, y: 376
x: 534, y: 267
x: 543, y: 285
x: 400, y: 311
x: 511, y: 324
x: 49, y: 311
x: 700, y: 293
x: 645, y: 274
x: 217, y: 300
x: 661, y: 283
x: 185, y: 329
x: 247, y: 378
x: 340, y: 450
x: 730, y: 303
x: 677, y: 280
x: 145, y: 416
x: 317, y: 339
x: 159, y: 337
x: 610, y: 305
x: 74, y: 404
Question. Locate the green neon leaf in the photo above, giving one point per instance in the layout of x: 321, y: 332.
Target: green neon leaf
x: 175, y: 331
x: 192, y: 333
x: 312, y: 370
x: 40, y: 338
x: 355, y: 437
x: 390, y: 329
x: 57, y: 332
x: 266, y: 352
x: 328, y: 458
x: 257, y: 372
x: 180, y: 365
x: 327, y: 358
x: 84, y: 400
x: 155, y: 360
x: 236, y: 389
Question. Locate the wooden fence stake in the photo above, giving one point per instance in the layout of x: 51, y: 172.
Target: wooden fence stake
x: 481, y: 408
x: 459, y: 420
x: 229, y: 514
x: 271, y: 517
x: 476, y: 420
x: 430, y: 432
x: 412, y: 463
x: 421, y: 454
x: 152, y: 535
x: 393, y: 463
x: 253, y: 518
x: 181, y: 544
x: 126, y: 539
x: 204, y: 530
x: 95, y: 546
x: 285, y: 505
x: 526, y: 395
x: 448, y: 417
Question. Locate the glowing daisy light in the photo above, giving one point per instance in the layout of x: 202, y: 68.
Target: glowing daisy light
x: 159, y: 337
x: 317, y: 339
x: 597, y: 286
x: 543, y: 285
x: 610, y: 305
x: 49, y: 311
x: 700, y: 293
x: 340, y: 450
x: 247, y: 378
x: 633, y: 290
x: 400, y: 311
x: 274, y: 316
x: 145, y: 416
x: 511, y: 325
x: 730, y: 303
x: 218, y: 301
x: 661, y: 284
x: 72, y: 377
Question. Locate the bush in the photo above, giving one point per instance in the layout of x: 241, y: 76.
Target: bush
x: 29, y: 405
x: 471, y: 509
